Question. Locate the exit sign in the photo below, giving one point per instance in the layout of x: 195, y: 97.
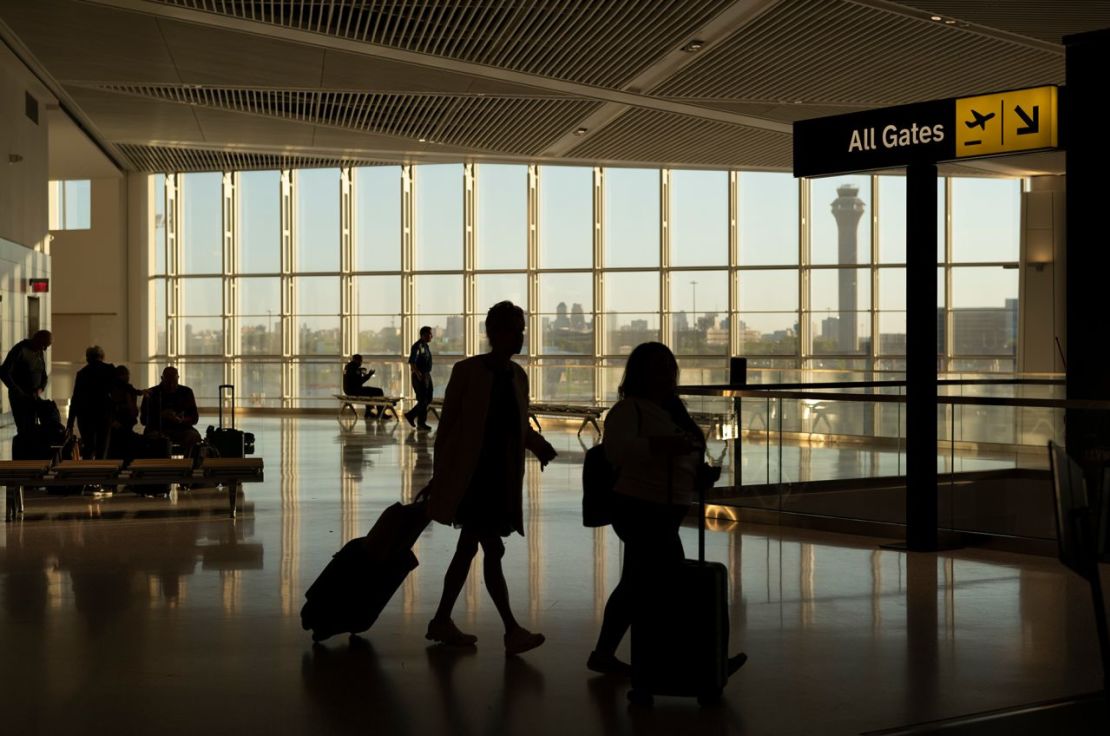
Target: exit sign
x: 39, y: 286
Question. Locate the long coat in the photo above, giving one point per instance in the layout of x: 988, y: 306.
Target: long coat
x: 460, y: 435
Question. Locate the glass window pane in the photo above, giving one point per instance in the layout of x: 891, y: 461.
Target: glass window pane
x: 205, y: 379
x: 379, y: 294
x: 636, y: 291
x: 317, y: 197
x: 261, y: 384
x: 699, y: 312
x: 626, y: 330
x: 202, y: 223
x: 986, y: 219
x: 379, y: 334
x: 318, y: 335
x: 768, y: 291
x: 201, y: 297
x: 260, y: 222
x: 768, y: 219
x: 378, y: 218
x: 840, y: 332
x: 892, y: 333
x: 699, y: 218
x: 631, y: 217
x: 159, y: 208
x: 439, y: 217
x: 566, y: 306
x: 493, y: 288
x: 439, y: 294
x: 892, y: 289
x: 566, y: 218
x: 317, y: 294
x: 78, y: 204
x: 158, y: 286
x: 984, y: 311
x: 564, y: 380
x: 769, y: 333
x: 317, y: 382
x: 203, y: 335
x: 849, y: 197
x: 260, y: 316
x: 55, y: 203
x: 502, y: 216
x: 832, y: 289
x: 892, y: 219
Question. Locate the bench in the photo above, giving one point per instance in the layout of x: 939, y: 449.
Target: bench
x: 228, y: 472
x: 588, y: 413
x: 385, y: 403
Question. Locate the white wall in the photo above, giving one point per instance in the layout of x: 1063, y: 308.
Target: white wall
x: 1042, y: 276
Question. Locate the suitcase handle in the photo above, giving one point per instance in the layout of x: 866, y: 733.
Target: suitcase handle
x: 231, y: 390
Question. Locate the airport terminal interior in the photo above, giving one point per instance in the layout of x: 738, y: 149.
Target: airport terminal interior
x: 254, y: 191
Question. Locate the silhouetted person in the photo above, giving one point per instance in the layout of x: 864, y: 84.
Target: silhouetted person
x: 24, y: 373
x: 123, y: 415
x: 656, y: 449
x: 354, y: 376
x: 90, y: 407
x: 170, y: 410
x: 479, y: 471
x: 420, y: 364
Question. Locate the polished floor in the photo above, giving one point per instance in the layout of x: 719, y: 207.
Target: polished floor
x: 123, y: 615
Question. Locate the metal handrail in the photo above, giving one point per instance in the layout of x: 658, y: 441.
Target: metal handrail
x: 751, y: 392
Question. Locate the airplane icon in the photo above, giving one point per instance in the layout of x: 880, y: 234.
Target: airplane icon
x: 980, y: 120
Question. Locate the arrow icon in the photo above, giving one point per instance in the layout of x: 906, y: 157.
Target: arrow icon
x: 1032, y: 124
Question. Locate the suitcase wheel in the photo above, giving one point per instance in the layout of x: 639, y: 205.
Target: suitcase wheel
x: 640, y: 697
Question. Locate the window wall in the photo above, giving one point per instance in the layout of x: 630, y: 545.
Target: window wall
x: 270, y: 279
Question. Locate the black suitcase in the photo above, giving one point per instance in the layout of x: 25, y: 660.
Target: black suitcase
x: 229, y: 441
x: 357, y: 584
x: 680, y: 631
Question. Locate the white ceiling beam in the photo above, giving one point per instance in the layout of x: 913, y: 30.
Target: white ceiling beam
x: 576, y: 89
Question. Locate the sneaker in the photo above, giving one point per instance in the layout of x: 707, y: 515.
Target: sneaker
x: 445, y: 632
x: 607, y: 664
x: 520, y: 640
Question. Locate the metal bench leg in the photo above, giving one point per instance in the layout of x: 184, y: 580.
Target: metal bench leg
x: 597, y: 428
x: 583, y: 425
x: 232, y: 497
x: 13, y: 506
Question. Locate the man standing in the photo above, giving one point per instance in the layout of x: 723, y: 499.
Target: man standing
x: 24, y: 373
x: 170, y: 410
x: 91, y: 405
x: 420, y: 361
x: 354, y: 376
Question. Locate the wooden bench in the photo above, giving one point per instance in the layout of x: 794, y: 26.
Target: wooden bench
x: 385, y: 403
x: 588, y: 413
x: 228, y: 472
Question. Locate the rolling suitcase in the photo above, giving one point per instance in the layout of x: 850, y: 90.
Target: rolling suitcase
x: 680, y: 631
x: 356, y: 585
x: 229, y: 441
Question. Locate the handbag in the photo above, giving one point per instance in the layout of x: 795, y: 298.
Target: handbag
x: 599, y: 478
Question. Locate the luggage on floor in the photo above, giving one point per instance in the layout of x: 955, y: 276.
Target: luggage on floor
x: 356, y: 585
x: 229, y: 441
x: 680, y: 630
x: 40, y: 442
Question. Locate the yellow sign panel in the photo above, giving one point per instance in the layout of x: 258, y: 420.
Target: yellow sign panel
x: 1021, y: 120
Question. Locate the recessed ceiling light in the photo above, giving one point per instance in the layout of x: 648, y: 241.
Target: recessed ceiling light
x: 695, y: 45
x: 422, y: 140
x: 950, y: 22
x: 582, y: 131
x: 936, y: 17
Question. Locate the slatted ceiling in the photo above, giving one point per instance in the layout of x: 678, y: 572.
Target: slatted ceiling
x: 821, y: 51
x: 647, y: 135
x: 1046, y: 20
x: 783, y: 113
x: 601, y: 42
x: 513, y: 125
x: 159, y: 159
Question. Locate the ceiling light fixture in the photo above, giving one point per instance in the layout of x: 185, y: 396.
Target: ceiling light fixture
x: 582, y: 131
x: 936, y: 17
x: 695, y: 45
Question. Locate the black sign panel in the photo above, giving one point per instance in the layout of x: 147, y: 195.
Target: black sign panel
x: 875, y: 139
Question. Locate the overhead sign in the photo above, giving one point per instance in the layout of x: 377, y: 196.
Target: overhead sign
x: 927, y: 132
x: 1021, y: 120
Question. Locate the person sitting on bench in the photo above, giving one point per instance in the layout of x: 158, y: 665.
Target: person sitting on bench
x: 170, y: 410
x: 354, y: 376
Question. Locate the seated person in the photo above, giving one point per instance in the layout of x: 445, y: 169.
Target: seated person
x: 170, y: 410
x: 123, y: 443
x: 354, y: 376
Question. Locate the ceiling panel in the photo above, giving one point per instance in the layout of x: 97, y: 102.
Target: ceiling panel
x: 482, y: 123
x: 1046, y: 20
x: 603, y: 43
x: 121, y: 118
x: 830, y: 51
x: 647, y: 135
x: 155, y: 159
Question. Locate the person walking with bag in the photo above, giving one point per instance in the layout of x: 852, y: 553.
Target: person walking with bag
x: 478, y: 472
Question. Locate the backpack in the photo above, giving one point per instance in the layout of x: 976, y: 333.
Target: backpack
x: 599, y: 478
